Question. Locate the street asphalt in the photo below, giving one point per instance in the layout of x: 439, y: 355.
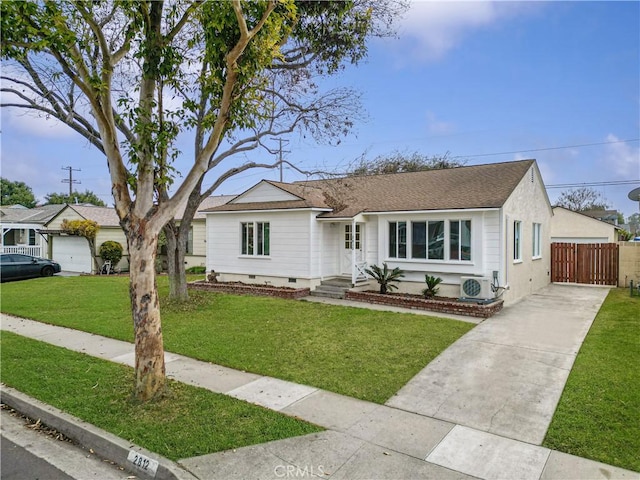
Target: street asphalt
x: 479, y: 410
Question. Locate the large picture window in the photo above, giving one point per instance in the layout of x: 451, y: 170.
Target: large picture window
x: 255, y: 238
x: 429, y: 238
x: 398, y: 239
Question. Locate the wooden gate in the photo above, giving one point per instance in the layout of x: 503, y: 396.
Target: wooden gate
x: 593, y: 263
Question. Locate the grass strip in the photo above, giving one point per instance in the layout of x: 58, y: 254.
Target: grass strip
x: 599, y: 411
x: 186, y: 422
x: 357, y: 352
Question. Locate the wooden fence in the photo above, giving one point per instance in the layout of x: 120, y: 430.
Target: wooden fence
x: 592, y: 263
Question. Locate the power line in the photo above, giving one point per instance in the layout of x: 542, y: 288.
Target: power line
x: 594, y: 184
x: 547, y: 148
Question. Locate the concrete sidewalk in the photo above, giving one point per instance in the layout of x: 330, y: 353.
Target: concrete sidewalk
x: 363, y: 440
x: 506, y: 375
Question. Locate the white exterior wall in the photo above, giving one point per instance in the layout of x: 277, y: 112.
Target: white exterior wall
x: 572, y: 227
x: 264, y: 192
x: 331, y: 241
x: 372, y: 248
x: 198, y: 258
x: 484, y: 250
x: 529, y: 204
x: 115, y: 234
x: 290, y: 247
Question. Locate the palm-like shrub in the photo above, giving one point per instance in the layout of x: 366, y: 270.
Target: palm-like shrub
x: 385, y: 277
x: 432, y: 286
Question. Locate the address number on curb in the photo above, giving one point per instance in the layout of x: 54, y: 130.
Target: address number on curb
x: 142, y: 462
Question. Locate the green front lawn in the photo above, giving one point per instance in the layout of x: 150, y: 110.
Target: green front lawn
x: 187, y: 422
x: 598, y: 416
x: 356, y: 352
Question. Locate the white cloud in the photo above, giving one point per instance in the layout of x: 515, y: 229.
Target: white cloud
x: 36, y: 125
x: 436, y: 126
x: 436, y: 27
x: 622, y: 158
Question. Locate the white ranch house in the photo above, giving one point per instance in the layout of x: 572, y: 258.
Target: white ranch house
x: 490, y: 222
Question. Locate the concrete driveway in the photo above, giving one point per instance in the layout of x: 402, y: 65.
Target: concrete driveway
x: 506, y: 375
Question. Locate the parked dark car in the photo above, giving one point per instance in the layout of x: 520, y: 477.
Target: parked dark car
x: 14, y: 266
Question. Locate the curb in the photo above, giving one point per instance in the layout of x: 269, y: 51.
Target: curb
x: 105, y: 444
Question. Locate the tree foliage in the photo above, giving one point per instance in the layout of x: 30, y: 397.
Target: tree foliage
x: 634, y: 223
x: 87, y: 197
x: 111, y: 251
x: 83, y: 228
x: 131, y: 77
x: 399, y: 162
x: 16, y: 193
x: 582, y: 199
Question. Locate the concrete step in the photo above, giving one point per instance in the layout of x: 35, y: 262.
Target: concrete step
x: 332, y: 288
x: 338, y: 282
x: 326, y: 294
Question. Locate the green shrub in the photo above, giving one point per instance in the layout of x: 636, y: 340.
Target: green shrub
x: 111, y: 251
x: 197, y: 270
x: 384, y: 276
x: 432, y: 286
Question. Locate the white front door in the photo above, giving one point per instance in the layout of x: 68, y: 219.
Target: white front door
x: 352, y: 242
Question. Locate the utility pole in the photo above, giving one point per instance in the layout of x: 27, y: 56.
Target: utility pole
x: 71, y: 181
x: 281, y: 151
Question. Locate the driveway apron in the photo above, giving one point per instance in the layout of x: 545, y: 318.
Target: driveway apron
x: 506, y: 375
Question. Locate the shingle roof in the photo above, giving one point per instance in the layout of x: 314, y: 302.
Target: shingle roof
x: 107, y: 216
x: 478, y: 186
x: 20, y: 214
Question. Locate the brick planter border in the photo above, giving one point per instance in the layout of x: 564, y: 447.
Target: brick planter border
x: 244, y: 289
x: 444, y: 306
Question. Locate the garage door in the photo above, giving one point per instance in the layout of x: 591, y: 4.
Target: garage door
x: 72, y: 253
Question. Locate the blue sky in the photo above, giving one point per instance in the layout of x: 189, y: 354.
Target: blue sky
x: 475, y: 79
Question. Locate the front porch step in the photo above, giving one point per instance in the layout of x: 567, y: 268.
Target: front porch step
x: 334, y: 287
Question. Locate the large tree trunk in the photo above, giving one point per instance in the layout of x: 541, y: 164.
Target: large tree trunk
x: 149, y: 349
x: 176, y: 250
x: 177, y: 239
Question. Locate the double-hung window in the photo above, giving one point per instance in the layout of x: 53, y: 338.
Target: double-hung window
x: 459, y: 239
x: 537, y: 236
x: 398, y: 239
x: 517, y: 241
x: 255, y: 238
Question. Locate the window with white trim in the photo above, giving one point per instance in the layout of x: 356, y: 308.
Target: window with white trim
x: 460, y: 240
x: 517, y: 240
x: 255, y: 238
x: 430, y: 240
x: 189, y: 250
x: 398, y: 239
x: 537, y: 236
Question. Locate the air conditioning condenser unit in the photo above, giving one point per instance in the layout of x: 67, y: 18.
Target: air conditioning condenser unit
x: 476, y: 288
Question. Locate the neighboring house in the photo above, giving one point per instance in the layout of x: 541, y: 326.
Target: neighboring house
x: 575, y: 227
x: 20, y: 227
x: 196, y: 244
x: 490, y: 221
x: 73, y: 253
x: 609, y: 216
